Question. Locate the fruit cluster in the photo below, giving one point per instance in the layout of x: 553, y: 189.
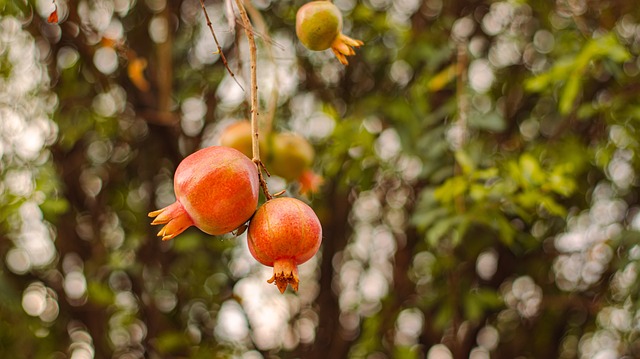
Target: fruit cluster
x: 217, y: 190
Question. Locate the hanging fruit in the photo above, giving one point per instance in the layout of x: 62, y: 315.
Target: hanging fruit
x: 284, y: 233
x: 319, y: 27
x: 216, y: 190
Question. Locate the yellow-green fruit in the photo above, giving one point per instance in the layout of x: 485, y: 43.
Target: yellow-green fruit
x: 238, y: 135
x: 318, y: 24
x: 291, y: 155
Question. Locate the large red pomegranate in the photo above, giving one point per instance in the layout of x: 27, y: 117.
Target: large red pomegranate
x: 283, y: 233
x: 319, y: 27
x: 216, y: 190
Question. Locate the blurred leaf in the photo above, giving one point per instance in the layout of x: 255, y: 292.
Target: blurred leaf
x: 169, y: 342
x: 441, y: 79
x: 465, y: 162
x: 424, y: 219
x: 100, y: 293
x: 406, y: 352
x: 451, y: 189
x: 569, y: 93
x: 443, y: 227
x: 491, y: 121
x: 479, y: 301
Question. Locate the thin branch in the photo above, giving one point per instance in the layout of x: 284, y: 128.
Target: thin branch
x: 215, y: 38
x: 265, y: 37
x: 267, y: 120
x: 255, y: 139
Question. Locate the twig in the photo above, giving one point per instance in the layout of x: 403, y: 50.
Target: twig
x: 267, y: 121
x: 215, y: 38
x: 255, y: 139
x: 266, y: 38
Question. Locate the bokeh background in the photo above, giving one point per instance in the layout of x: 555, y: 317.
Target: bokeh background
x: 481, y: 181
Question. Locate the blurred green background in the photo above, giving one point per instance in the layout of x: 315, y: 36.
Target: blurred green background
x: 480, y: 158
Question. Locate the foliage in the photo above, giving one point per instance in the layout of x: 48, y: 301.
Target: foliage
x: 480, y: 197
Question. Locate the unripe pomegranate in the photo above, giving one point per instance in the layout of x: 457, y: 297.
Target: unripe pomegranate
x: 238, y: 135
x: 319, y: 27
x: 291, y: 155
x: 284, y: 233
x: 216, y: 190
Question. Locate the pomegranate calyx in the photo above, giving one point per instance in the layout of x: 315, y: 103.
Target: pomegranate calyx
x: 176, y: 219
x: 285, y: 272
x: 238, y: 231
x: 343, y: 46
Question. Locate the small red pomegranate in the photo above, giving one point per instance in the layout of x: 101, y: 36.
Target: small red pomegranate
x: 238, y: 135
x: 319, y: 27
x: 216, y: 190
x: 283, y: 233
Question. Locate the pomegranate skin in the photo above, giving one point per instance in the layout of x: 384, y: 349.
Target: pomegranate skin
x: 319, y: 27
x: 291, y: 155
x: 283, y: 233
x: 318, y: 23
x: 216, y: 190
x: 238, y: 135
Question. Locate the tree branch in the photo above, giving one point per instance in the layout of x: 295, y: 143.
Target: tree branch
x: 215, y: 38
x: 255, y: 139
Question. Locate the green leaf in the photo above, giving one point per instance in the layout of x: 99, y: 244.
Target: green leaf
x: 570, y: 92
x: 465, y: 162
x: 171, y: 341
x: 491, y: 121
x: 531, y: 171
x: 451, y: 189
x: 557, y: 73
x: 406, y: 352
x: 100, y: 293
x: 441, y: 228
x: 552, y: 206
x: 423, y: 219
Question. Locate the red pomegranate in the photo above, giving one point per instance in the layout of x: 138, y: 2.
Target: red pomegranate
x: 216, y: 190
x: 284, y: 233
x: 319, y: 27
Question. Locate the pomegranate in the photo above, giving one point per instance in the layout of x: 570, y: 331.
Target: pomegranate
x: 216, y: 190
x: 291, y: 154
x: 284, y: 233
x: 319, y: 27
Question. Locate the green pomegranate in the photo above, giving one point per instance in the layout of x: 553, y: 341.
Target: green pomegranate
x: 291, y: 155
x: 319, y: 27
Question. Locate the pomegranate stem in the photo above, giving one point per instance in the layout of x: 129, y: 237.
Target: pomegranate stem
x: 255, y: 138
